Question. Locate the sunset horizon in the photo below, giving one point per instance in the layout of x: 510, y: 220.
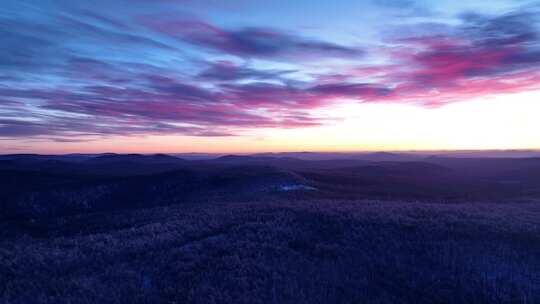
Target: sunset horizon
x: 178, y: 76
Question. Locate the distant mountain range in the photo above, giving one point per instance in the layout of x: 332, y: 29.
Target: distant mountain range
x: 41, y: 185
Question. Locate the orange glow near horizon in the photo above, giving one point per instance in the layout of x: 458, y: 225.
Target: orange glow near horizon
x: 501, y: 122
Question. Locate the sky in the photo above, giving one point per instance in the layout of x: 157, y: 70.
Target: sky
x: 218, y: 76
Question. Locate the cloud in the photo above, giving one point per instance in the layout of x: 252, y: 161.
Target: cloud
x: 361, y: 91
x: 249, y: 41
x: 230, y: 71
x: 159, y: 105
x: 485, y: 56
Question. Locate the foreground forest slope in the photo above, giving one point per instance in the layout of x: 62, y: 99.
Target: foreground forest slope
x: 279, y: 252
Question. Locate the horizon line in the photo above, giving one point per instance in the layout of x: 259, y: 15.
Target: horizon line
x: 531, y: 150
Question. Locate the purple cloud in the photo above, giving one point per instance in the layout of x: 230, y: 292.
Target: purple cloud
x: 248, y: 42
x: 230, y: 71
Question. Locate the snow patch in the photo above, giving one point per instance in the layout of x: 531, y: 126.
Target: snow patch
x: 296, y: 187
